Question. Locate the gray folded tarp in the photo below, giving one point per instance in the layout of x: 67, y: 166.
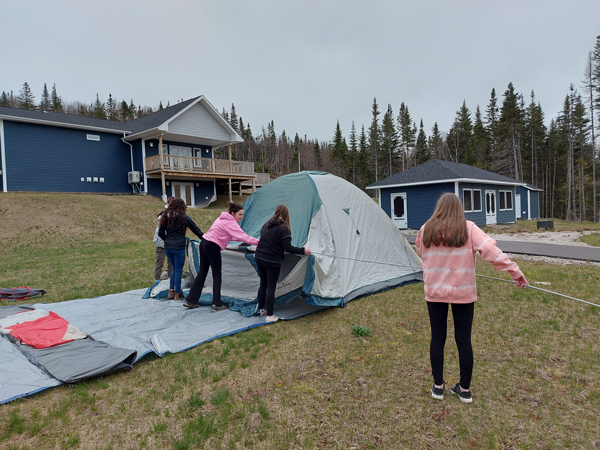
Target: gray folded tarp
x: 80, y: 359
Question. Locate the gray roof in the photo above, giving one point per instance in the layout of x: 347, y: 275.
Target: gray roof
x: 437, y: 170
x: 69, y: 120
x: 135, y: 126
x: 157, y: 118
x: 531, y: 187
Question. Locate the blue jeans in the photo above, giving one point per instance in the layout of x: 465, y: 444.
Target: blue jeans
x: 177, y: 258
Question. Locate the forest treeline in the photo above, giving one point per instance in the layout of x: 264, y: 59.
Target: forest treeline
x: 509, y: 137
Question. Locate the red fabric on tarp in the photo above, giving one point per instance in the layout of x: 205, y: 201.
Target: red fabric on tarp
x: 44, y: 332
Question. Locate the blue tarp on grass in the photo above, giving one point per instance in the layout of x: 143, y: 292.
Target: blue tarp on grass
x: 127, y: 321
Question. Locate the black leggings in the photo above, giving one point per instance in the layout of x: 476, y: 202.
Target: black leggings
x: 210, y: 256
x: 463, y: 322
x: 269, y: 274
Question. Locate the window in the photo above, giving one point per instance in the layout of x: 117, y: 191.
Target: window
x: 93, y: 137
x: 471, y: 200
x: 506, y: 203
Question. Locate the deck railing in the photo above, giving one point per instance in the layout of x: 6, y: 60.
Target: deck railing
x: 190, y: 164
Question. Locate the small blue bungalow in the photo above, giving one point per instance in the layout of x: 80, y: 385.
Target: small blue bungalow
x: 409, y: 197
x: 167, y: 153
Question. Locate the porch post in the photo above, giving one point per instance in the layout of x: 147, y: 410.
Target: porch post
x: 3, y: 157
x: 162, y: 172
x: 230, y: 163
x: 230, y: 193
x: 253, y: 184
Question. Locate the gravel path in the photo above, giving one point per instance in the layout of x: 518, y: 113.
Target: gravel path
x: 548, y: 237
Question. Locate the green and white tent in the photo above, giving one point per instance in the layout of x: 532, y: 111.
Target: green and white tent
x: 356, y: 248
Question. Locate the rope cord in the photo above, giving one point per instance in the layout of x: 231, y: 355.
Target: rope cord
x: 540, y: 289
x: 481, y: 276
x: 365, y: 261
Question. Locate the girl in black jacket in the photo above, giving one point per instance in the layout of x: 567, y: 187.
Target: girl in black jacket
x: 173, y: 225
x: 275, y: 239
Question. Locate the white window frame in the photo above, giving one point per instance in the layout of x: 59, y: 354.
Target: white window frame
x: 472, y: 192
x: 502, y: 195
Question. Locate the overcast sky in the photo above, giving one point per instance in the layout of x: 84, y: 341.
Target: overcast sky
x: 303, y: 64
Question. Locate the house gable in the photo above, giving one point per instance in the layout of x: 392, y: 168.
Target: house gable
x: 197, y: 121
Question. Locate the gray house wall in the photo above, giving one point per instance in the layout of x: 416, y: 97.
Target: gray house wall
x: 198, y: 122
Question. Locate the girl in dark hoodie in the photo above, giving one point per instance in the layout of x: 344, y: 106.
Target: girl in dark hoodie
x: 173, y: 225
x: 275, y: 239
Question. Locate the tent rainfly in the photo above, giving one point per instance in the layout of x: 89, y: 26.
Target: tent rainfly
x: 356, y: 248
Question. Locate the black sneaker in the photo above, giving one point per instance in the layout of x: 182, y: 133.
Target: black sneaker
x: 465, y: 396
x: 190, y: 305
x: 437, y: 393
x: 216, y: 308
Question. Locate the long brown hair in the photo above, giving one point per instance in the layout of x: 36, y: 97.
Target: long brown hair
x: 447, y: 225
x: 174, y: 215
x: 282, y: 215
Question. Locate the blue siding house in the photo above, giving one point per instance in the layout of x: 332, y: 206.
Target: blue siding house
x: 409, y: 197
x: 167, y: 153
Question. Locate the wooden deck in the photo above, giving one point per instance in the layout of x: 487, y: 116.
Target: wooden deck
x: 188, y: 166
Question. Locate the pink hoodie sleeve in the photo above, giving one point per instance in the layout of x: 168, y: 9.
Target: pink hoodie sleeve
x: 237, y: 234
x: 486, y: 246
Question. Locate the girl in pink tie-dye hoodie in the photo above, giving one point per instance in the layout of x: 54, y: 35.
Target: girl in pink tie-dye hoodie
x: 448, y: 245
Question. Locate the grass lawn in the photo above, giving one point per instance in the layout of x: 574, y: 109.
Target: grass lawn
x: 309, y: 383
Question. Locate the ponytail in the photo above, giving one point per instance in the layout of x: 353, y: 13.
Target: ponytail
x: 234, y: 207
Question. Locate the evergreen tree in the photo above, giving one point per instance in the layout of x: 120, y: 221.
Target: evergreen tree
x: 407, y: 135
x: 509, y: 134
x: 225, y: 115
x: 132, y: 110
x: 480, y: 143
x: 436, y: 142
x: 160, y: 106
x: 421, y: 148
x: 26, y: 97
x: 317, y: 155
x: 295, y: 162
x: 353, y: 153
x: 459, y: 136
x: 491, y: 126
x: 337, y: 152
x: 363, y: 159
x: 534, y: 135
x: 389, y: 141
x: 111, y: 108
x: 98, y: 109
x: 125, y: 112
x: 591, y: 85
x: 233, y: 118
x: 4, y: 100
x: 55, y: 101
x: 374, y: 141
x: 45, y: 101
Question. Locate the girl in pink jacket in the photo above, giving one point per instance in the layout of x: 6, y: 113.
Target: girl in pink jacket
x: 224, y: 230
x: 448, y: 245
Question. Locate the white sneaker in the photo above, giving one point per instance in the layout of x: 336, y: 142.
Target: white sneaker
x: 272, y: 319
